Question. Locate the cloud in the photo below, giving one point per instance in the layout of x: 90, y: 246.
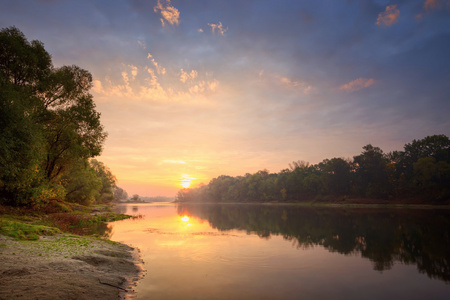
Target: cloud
x: 218, y: 27
x: 357, y: 84
x: 146, y: 87
x: 293, y: 83
x: 185, y: 76
x: 134, y: 71
x: 200, y: 30
x: 432, y: 4
x: 212, y: 85
x: 142, y: 44
x: 168, y: 12
x: 290, y: 82
x: 389, y: 16
x: 158, y: 67
x: 203, y: 87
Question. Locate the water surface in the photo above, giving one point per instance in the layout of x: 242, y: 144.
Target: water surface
x: 288, y: 252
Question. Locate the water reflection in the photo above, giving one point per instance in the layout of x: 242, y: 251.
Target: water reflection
x: 384, y: 236
x: 99, y: 230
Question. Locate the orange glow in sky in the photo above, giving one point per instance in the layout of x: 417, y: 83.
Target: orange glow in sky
x: 185, y: 180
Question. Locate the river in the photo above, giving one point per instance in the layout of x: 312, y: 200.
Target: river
x: 238, y: 251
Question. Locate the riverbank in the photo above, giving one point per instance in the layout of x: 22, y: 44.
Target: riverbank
x: 42, y: 262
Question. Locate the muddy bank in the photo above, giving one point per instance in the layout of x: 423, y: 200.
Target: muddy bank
x: 67, y: 267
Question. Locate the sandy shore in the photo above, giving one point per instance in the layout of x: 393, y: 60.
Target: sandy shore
x: 67, y: 267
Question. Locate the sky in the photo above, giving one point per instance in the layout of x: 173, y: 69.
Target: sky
x: 191, y: 90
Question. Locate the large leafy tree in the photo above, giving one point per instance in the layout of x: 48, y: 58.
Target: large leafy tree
x: 337, y: 175
x: 372, y: 173
x: 48, y: 121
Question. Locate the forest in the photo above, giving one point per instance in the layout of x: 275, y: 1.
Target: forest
x: 50, y: 129
x: 418, y: 174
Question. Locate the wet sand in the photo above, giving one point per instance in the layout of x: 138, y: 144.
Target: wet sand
x: 67, y: 267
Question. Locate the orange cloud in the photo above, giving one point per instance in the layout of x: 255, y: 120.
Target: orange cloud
x: 168, y: 12
x: 293, y: 83
x: 219, y: 28
x: 185, y: 76
x: 432, y: 4
x: 389, y: 16
x: 159, y: 69
x: 357, y: 84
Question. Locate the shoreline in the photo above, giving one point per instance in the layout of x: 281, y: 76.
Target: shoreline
x: 328, y: 204
x: 66, y: 266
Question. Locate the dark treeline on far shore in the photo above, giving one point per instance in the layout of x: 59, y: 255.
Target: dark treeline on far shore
x: 418, y: 174
x: 50, y: 130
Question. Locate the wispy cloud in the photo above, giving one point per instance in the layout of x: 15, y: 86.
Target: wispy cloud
x: 158, y: 67
x: 204, y: 86
x: 433, y: 4
x: 296, y: 84
x: 357, y: 84
x: 218, y: 28
x: 185, y: 76
x: 134, y: 71
x: 142, y: 44
x: 145, y: 86
x: 430, y: 5
x: 389, y: 16
x: 168, y: 12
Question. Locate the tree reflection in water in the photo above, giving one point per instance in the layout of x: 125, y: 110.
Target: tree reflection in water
x: 384, y: 236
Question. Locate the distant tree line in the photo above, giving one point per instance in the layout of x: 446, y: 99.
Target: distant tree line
x: 420, y: 172
x: 49, y: 129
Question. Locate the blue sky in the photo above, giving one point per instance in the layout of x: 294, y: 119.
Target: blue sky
x: 190, y: 90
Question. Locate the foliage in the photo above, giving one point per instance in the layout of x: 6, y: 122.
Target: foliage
x: 49, y: 129
x: 27, y: 223
x: 107, y: 179
x: 120, y: 194
x: 24, y: 231
x: 82, y: 183
x: 421, y: 171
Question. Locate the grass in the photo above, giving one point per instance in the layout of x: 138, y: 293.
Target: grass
x: 29, y: 224
x: 24, y: 231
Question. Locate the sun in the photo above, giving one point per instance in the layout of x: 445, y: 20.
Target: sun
x: 186, y: 180
x: 185, y: 219
x: 186, y: 184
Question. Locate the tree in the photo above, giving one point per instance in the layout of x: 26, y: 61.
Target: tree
x: 71, y: 134
x: 108, y: 181
x: 337, y: 174
x: 48, y: 121
x: 120, y: 194
x: 22, y: 63
x: 371, y: 173
x: 82, y: 184
x: 136, y: 198
x: 432, y: 177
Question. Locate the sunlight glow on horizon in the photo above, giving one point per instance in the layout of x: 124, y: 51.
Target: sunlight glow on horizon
x: 186, y: 180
